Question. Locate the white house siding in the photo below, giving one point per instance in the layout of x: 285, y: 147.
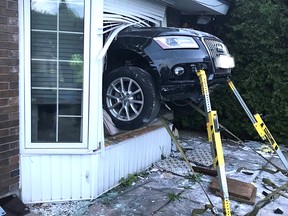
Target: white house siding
x: 56, y: 177
x: 47, y: 178
x: 143, y: 9
x: 69, y: 174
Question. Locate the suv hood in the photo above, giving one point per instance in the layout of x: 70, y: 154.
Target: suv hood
x: 151, y: 32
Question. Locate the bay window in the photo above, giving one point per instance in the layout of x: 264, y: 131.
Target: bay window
x: 56, y: 80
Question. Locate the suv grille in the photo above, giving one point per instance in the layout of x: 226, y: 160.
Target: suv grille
x: 216, y: 48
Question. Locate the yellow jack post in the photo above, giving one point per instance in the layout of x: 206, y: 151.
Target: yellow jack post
x: 259, y: 125
x: 215, y: 138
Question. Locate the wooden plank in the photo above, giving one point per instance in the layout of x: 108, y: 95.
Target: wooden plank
x: 112, y: 140
x: 238, y: 190
x: 206, y: 171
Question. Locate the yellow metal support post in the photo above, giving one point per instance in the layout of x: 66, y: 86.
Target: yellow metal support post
x: 215, y: 138
x: 259, y: 125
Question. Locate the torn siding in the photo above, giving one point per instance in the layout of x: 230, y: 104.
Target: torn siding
x: 136, y: 10
x: 129, y: 13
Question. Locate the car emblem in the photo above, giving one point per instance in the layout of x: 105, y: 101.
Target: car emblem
x: 219, y: 47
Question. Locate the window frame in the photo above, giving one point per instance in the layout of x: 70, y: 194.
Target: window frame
x: 51, y: 146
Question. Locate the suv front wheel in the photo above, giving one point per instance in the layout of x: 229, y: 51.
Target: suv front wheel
x: 130, y: 97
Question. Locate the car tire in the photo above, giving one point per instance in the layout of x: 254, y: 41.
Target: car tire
x: 130, y: 97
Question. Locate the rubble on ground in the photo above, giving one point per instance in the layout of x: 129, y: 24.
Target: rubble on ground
x: 166, y: 188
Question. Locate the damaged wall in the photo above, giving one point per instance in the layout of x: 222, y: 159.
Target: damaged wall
x: 9, y: 118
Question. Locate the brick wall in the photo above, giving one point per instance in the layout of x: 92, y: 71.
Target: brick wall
x: 9, y: 109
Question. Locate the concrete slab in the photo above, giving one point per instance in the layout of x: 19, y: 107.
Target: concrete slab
x: 181, y: 207
x: 144, y: 199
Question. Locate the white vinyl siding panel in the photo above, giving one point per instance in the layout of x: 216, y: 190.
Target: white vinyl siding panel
x: 145, y: 10
x: 47, y: 178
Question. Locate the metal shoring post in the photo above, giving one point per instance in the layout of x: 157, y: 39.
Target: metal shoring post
x: 215, y: 138
x: 259, y: 125
x: 241, y: 101
x: 207, y: 104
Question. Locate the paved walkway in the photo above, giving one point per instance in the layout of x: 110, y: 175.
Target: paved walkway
x: 162, y: 193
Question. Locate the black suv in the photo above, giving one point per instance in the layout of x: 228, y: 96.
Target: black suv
x: 145, y: 66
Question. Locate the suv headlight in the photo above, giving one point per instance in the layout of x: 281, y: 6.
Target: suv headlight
x: 224, y: 61
x: 176, y: 42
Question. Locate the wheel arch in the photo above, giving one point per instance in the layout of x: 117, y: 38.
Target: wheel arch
x: 126, y: 57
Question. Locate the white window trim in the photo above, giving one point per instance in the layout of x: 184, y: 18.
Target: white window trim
x: 96, y: 130
x: 90, y: 102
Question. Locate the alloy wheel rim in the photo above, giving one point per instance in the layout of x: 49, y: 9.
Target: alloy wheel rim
x: 125, y: 99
